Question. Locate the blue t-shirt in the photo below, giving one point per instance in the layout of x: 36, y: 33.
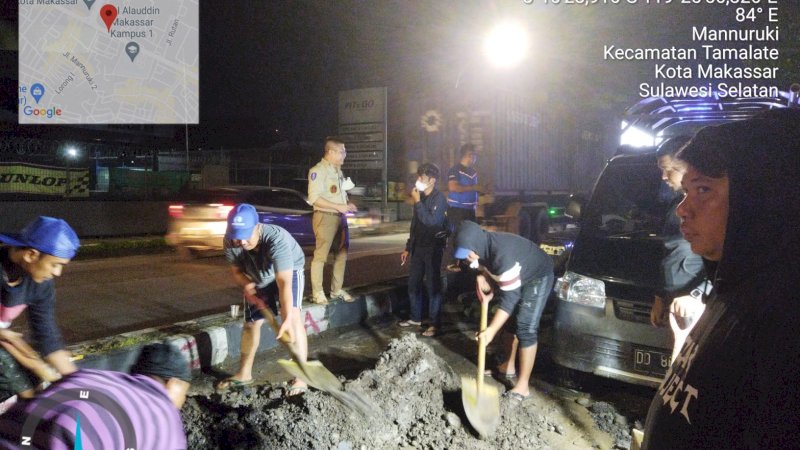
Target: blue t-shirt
x: 465, y: 176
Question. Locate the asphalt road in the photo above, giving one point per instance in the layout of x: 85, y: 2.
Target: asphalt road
x: 105, y: 297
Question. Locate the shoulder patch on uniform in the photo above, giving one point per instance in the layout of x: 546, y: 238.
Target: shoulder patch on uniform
x: 313, y: 176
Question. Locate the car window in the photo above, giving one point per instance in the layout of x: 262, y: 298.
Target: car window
x: 279, y: 199
x: 629, y: 200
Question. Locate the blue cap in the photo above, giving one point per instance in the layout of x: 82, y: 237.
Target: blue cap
x: 48, y: 235
x: 241, y: 221
x: 461, y: 253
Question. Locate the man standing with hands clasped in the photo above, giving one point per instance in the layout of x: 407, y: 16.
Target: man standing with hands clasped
x: 425, y: 245
x: 327, y: 188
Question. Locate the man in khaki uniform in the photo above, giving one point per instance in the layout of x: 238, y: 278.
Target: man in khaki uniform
x: 327, y: 193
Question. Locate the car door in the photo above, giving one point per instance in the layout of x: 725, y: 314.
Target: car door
x: 287, y: 209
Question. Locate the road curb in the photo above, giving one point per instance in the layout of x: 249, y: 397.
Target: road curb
x: 215, y: 339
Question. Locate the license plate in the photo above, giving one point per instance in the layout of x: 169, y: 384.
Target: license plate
x: 553, y: 250
x: 650, y: 362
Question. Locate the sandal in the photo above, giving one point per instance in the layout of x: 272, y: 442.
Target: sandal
x: 292, y: 391
x: 515, y: 396
x: 231, y: 384
x: 496, y: 373
x: 430, y: 332
x: 409, y: 323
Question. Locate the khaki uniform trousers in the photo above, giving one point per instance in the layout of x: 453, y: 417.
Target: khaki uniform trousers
x: 330, y: 231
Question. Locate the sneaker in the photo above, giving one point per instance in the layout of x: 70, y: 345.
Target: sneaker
x: 319, y: 298
x: 409, y: 323
x: 344, y: 295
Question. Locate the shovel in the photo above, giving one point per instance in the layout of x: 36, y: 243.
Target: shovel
x: 313, y: 373
x: 481, y: 401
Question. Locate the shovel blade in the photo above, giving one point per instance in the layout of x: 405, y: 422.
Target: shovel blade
x: 312, y: 373
x: 316, y: 375
x: 482, y: 408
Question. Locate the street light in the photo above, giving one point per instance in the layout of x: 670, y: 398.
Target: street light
x: 506, y: 45
x: 71, y: 154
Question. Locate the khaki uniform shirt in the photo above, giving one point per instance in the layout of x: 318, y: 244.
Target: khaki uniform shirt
x: 325, y: 181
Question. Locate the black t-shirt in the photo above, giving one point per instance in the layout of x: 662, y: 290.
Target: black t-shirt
x: 736, y: 382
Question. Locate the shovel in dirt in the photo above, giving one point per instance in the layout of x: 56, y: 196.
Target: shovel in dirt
x: 313, y: 373
x: 481, y: 401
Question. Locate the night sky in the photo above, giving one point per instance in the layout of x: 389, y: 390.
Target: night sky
x: 268, y: 65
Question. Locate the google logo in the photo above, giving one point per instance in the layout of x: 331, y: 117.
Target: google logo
x: 49, y: 113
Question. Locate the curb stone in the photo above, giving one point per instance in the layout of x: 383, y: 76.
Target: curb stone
x: 215, y: 339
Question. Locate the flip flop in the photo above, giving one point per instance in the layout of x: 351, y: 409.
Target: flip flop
x: 231, y: 384
x: 292, y: 391
x: 430, y: 332
x: 494, y: 373
x: 517, y: 397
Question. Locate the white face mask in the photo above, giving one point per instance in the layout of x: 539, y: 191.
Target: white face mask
x: 420, y: 186
x: 474, y: 264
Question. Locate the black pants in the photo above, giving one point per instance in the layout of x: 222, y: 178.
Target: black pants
x: 425, y: 268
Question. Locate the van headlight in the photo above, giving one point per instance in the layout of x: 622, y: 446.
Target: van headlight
x: 583, y: 290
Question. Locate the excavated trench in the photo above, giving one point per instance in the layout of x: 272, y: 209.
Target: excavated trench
x: 418, y: 405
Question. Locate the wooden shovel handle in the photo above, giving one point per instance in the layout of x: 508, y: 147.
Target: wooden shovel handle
x: 483, y: 325
x: 265, y: 311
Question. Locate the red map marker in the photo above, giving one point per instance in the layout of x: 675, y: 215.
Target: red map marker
x: 108, y: 13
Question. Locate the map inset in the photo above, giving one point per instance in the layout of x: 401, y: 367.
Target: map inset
x: 107, y: 62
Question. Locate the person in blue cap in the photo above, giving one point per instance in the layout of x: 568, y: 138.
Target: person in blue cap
x: 267, y: 263
x: 29, y: 262
x: 521, y: 275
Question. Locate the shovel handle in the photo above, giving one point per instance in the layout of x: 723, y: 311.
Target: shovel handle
x: 273, y: 323
x: 481, y: 342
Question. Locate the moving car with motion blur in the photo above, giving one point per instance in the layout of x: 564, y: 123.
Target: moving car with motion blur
x: 198, y: 226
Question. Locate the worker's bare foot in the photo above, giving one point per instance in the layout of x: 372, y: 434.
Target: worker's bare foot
x: 297, y: 387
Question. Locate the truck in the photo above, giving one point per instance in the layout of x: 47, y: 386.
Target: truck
x: 602, y: 319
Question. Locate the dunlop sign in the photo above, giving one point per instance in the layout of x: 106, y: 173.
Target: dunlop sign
x: 43, y: 180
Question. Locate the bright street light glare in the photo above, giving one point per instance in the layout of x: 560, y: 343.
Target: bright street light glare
x: 506, y: 45
x: 72, y: 152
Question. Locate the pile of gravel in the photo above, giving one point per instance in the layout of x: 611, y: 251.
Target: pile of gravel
x: 418, y: 406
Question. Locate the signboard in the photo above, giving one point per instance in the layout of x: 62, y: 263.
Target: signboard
x: 24, y: 178
x: 366, y: 165
x: 362, y: 127
x: 364, y: 147
x: 364, y: 156
x: 360, y: 106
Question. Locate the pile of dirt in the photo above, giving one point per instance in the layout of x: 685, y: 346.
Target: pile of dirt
x: 418, y: 405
